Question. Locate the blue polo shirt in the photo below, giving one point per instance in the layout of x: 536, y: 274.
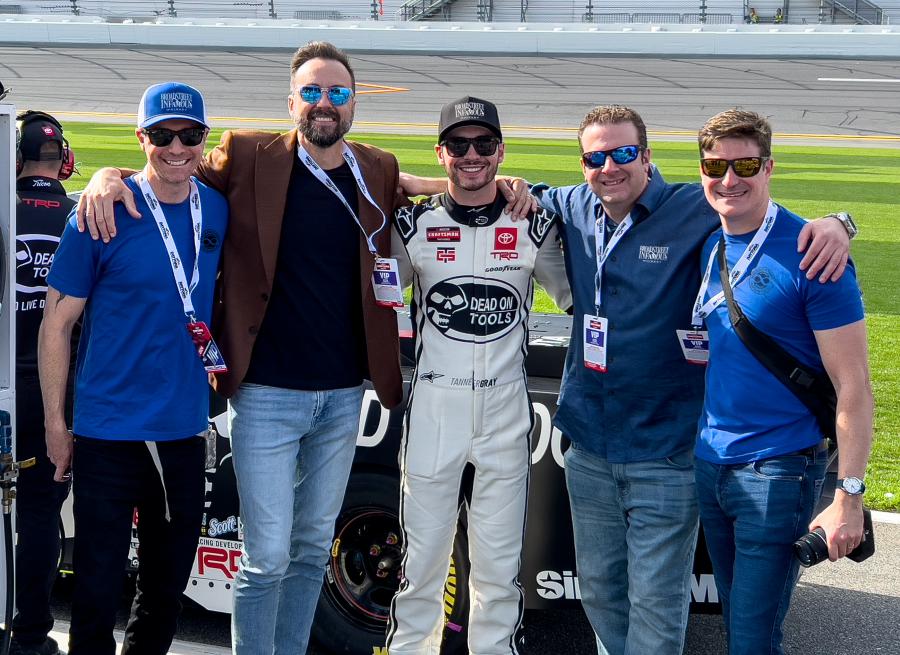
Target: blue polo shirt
x: 647, y: 404
x: 138, y: 376
x: 748, y: 414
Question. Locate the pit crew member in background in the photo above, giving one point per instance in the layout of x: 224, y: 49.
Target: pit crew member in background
x: 630, y: 405
x: 761, y: 456
x: 142, y: 392
x: 43, y: 160
x: 469, y: 404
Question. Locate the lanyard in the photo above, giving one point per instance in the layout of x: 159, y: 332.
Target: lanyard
x: 603, y: 249
x: 322, y: 176
x: 701, y: 311
x: 184, y: 290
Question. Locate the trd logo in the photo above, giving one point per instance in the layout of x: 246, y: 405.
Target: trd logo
x: 35, y: 202
x: 211, y: 558
x: 505, y: 255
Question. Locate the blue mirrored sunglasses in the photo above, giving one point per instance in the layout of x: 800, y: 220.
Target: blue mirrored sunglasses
x: 337, y: 95
x: 620, y: 155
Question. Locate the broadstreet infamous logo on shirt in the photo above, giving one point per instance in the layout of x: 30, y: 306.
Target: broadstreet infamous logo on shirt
x: 473, y: 309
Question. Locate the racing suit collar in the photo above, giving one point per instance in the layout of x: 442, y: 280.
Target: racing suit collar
x: 473, y: 216
x: 40, y: 183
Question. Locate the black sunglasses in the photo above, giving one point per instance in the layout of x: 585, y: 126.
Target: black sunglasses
x: 189, y: 136
x: 458, y: 146
x: 743, y: 167
x: 620, y: 155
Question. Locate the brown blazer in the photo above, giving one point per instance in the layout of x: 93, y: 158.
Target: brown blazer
x: 253, y: 170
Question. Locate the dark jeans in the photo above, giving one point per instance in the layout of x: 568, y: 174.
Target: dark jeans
x: 752, y: 514
x: 112, y: 478
x: 38, y: 502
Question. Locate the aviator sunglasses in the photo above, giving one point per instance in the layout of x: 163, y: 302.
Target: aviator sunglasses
x: 458, y: 146
x: 620, y: 155
x: 337, y: 95
x: 743, y: 167
x: 189, y: 136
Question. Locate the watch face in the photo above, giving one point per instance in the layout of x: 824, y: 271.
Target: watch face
x: 852, y: 485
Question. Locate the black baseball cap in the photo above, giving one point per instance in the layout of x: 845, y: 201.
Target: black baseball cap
x: 469, y: 110
x: 34, y: 133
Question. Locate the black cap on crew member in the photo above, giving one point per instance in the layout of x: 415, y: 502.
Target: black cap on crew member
x: 34, y: 134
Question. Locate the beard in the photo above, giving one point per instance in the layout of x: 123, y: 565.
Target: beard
x: 320, y: 135
x: 485, y: 178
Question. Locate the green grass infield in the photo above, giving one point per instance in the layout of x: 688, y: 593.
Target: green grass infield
x: 809, y: 180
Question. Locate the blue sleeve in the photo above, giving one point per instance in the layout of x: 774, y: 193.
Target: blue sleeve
x: 550, y: 198
x: 833, y: 304
x: 75, y: 264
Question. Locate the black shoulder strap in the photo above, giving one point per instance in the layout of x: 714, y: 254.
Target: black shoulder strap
x: 812, y: 388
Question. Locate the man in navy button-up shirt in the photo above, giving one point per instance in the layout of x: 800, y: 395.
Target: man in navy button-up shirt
x: 629, y: 471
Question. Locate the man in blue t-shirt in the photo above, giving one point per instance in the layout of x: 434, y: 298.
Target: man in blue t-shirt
x: 761, y: 457
x: 141, y: 390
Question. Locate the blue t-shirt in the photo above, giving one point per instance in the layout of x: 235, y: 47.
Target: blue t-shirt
x: 138, y: 376
x: 747, y: 413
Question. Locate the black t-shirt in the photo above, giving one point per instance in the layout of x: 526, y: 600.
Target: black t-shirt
x: 312, y: 336
x: 41, y: 211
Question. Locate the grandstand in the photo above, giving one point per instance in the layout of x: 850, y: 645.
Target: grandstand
x: 532, y: 11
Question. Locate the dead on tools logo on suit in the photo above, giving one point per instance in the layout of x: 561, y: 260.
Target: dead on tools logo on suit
x: 473, y: 309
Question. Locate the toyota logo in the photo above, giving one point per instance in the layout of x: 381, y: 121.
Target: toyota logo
x: 505, y: 238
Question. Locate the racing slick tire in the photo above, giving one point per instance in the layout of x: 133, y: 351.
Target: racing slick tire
x: 363, y: 573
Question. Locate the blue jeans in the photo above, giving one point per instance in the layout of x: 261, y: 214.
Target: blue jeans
x: 292, y: 454
x: 752, y: 514
x: 635, y: 528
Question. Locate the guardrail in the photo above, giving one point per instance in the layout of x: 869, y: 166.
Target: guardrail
x: 854, y: 41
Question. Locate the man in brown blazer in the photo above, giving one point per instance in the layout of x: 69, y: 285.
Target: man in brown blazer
x: 299, y: 327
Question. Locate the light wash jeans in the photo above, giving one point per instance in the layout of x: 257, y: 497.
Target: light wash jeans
x: 292, y: 454
x: 752, y: 514
x: 635, y: 528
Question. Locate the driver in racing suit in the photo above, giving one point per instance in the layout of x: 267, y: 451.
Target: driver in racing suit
x: 472, y: 290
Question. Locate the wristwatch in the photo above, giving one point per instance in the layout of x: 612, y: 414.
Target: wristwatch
x: 851, y: 486
x: 847, y: 221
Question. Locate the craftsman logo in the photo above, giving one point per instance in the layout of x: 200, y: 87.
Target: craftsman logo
x: 475, y: 310
x: 442, y: 234
x: 505, y: 238
x: 176, y: 101
x: 469, y: 110
x: 446, y: 254
x: 653, y: 254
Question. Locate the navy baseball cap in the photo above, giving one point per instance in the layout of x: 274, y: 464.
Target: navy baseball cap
x: 171, y: 100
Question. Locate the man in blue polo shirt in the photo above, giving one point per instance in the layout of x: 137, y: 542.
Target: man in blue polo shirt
x: 629, y: 401
x: 141, y: 391
x: 761, y: 457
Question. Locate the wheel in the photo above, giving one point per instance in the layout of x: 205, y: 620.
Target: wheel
x: 363, y: 573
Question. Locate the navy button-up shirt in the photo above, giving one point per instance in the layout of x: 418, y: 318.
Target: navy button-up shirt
x: 647, y: 404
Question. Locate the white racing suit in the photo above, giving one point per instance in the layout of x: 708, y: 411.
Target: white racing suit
x: 472, y: 291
